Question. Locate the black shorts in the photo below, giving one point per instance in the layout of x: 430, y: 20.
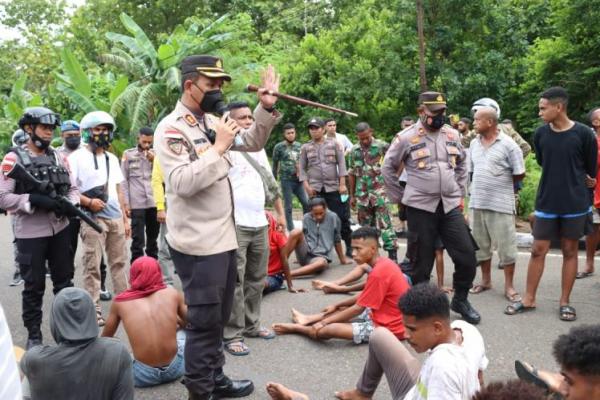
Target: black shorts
x: 562, y: 228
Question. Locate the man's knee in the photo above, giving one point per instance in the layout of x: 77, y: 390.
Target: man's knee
x: 380, y: 339
x: 539, y: 249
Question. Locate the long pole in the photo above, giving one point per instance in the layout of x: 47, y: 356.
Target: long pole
x: 422, y: 77
x: 299, y: 100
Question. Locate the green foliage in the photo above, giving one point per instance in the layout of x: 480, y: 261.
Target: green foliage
x: 528, y: 193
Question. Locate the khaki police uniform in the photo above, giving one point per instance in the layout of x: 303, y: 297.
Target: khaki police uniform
x: 322, y: 165
x: 201, y: 229
x: 436, y: 168
x: 137, y: 192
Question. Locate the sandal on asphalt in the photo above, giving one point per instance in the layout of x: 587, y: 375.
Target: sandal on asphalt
x: 583, y: 274
x: 479, y: 289
x: 517, y: 308
x: 237, y: 349
x: 529, y: 373
x: 567, y: 313
x: 263, y: 333
x: 513, y: 298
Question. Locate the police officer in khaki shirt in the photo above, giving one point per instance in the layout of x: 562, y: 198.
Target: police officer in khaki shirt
x: 192, y: 147
x: 436, y: 167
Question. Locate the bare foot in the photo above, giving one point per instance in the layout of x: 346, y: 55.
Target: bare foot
x: 353, y: 394
x: 329, y: 288
x: 447, y: 289
x: 283, y: 328
x: 318, y: 284
x: 279, y: 392
x: 299, y: 318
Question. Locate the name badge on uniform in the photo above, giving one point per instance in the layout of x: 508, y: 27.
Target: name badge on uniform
x: 418, y: 146
x: 200, y: 141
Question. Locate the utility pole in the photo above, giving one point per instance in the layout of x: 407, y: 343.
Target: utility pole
x: 422, y: 76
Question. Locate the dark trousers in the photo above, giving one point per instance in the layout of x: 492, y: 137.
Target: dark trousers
x: 73, y: 228
x: 423, y: 229
x: 290, y: 188
x: 144, y: 232
x: 32, y: 256
x: 208, y: 284
x: 335, y: 204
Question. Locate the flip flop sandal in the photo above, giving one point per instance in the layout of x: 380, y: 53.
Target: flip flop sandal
x: 517, y: 308
x: 479, y: 289
x: 513, y: 298
x: 263, y: 333
x: 229, y: 347
x: 584, y: 274
x: 529, y: 373
x: 567, y: 313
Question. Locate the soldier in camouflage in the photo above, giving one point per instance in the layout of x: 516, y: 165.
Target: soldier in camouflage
x: 285, y: 165
x: 367, y: 187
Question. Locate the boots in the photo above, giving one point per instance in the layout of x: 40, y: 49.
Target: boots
x: 393, y: 255
x: 34, y: 338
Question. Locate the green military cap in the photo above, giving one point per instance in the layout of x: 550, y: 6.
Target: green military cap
x: 434, y: 101
x: 209, y: 66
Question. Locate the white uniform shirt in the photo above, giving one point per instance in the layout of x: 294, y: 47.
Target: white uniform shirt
x: 248, y: 190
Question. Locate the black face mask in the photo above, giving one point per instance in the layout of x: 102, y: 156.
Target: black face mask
x: 73, y: 142
x: 212, y: 102
x: 437, y: 121
x: 38, y: 142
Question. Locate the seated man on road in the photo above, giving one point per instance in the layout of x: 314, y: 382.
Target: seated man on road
x: 375, y: 306
x: 578, y: 354
x: 151, y: 312
x: 321, y: 232
x: 453, y: 369
x: 346, y: 284
x: 278, y: 268
x: 81, y: 365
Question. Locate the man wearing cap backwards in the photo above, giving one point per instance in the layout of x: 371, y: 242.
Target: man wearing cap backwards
x: 322, y: 169
x: 192, y: 147
x: 39, y: 219
x: 434, y: 159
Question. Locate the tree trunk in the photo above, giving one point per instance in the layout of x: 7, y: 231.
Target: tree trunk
x: 422, y: 76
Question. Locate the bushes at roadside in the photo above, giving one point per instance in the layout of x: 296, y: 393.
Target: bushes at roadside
x: 530, y: 185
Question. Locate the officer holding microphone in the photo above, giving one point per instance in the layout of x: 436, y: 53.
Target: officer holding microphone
x: 192, y: 147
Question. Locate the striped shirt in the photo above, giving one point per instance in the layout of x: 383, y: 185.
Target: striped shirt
x: 493, y: 169
x: 10, y: 381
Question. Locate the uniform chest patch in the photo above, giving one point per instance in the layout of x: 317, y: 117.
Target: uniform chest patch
x: 418, y: 146
x: 175, y: 145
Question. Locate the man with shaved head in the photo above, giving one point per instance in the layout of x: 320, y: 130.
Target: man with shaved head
x: 496, y: 162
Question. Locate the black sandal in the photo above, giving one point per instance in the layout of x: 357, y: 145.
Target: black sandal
x: 567, y: 313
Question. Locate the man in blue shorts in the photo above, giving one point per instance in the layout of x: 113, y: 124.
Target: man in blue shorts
x: 567, y: 152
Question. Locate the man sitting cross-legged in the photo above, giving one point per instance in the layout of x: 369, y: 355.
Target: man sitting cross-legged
x: 375, y: 306
x: 313, y: 244
x: 455, y: 362
x: 346, y: 284
x: 151, y: 312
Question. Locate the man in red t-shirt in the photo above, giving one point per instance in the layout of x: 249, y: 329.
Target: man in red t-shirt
x: 592, y: 240
x: 376, y: 305
x: 278, y: 268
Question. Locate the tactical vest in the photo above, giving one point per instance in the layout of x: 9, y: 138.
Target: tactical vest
x: 45, y: 168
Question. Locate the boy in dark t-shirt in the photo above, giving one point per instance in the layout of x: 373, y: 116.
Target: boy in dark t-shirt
x: 567, y: 152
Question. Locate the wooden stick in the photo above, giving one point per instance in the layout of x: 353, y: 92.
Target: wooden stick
x: 253, y: 88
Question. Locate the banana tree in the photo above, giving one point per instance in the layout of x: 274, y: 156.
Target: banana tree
x: 154, y: 77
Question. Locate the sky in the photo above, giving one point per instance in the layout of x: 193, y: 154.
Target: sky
x: 7, y: 33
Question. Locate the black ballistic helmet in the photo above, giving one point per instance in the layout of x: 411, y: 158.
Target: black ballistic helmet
x: 39, y: 115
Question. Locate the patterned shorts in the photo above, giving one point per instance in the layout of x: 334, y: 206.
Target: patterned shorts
x: 362, y: 327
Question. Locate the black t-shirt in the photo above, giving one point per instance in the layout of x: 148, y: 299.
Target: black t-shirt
x: 565, y: 157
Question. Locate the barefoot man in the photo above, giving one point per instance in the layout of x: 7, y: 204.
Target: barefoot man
x: 151, y: 313
x: 375, y: 306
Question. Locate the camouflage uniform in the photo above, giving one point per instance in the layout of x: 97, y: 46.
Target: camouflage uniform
x: 372, y: 204
x: 514, y: 135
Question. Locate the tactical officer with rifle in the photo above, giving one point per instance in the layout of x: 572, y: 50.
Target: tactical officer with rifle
x: 40, y: 213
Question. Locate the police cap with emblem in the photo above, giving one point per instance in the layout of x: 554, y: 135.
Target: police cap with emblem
x: 209, y: 66
x: 434, y: 101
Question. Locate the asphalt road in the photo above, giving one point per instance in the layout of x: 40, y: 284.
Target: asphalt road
x: 319, y: 369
